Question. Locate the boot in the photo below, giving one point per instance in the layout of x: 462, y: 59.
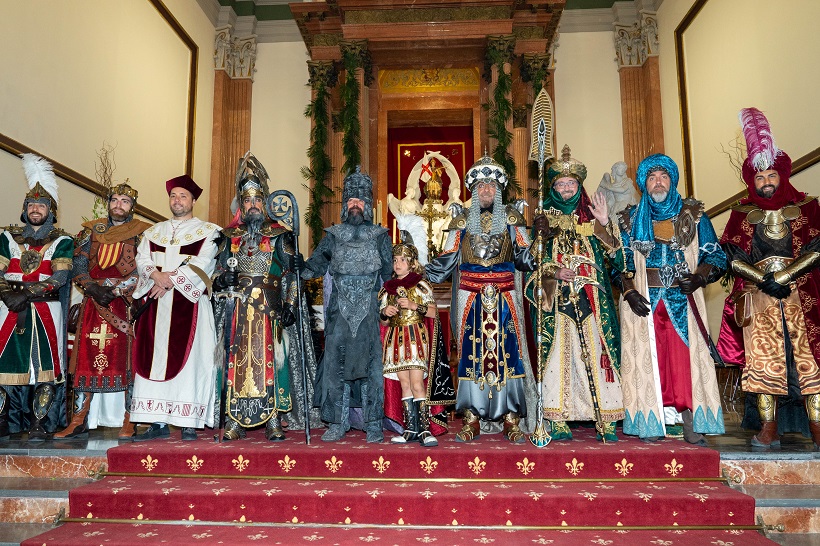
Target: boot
x: 127, y: 429
x: 336, y: 431
x: 410, y: 423
x: 373, y: 428
x: 689, y: 433
x: 273, y: 429
x: 511, y: 429
x: 43, y: 399
x: 470, y: 429
x: 426, y: 437
x: 78, y: 427
x: 609, y: 433
x: 813, y: 411
x: 233, y: 431
x: 767, y: 437
x: 561, y: 431
x: 4, y: 415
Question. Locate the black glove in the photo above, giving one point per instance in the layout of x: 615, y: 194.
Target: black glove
x: 229, y: 279
x: 297, y: 263
x: 287, y: 317
x: 691, y: 282
x: 773, y: 288
x: 102, y: 295
x: 541, y: 225
x: 638, y: 303
x: 15, y: 301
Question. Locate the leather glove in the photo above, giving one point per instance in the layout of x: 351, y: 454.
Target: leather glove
x: 15, y: 301
x: 297, y: 263
x: 541, y: 226
x: 691, y: 282
x: 773, y: 288
x: 102, y: 295
x: 638, y: 303
x: 229, y: 278
x: 287, y: 316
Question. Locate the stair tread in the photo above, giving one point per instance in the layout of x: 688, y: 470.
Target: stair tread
x: 24, y: 486
x: 784, y: 494
x: 15, y: 533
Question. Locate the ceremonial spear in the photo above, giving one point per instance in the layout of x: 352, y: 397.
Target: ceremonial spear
x: 540, y: 151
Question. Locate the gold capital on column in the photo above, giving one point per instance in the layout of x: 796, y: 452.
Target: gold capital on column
x: 322, y: 74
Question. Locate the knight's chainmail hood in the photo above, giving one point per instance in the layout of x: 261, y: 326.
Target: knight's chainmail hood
x: 42, y: 232
x: 499, y: 216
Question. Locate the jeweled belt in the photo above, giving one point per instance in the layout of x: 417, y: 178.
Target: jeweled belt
x: 476, y: 282
x: 773, y: 263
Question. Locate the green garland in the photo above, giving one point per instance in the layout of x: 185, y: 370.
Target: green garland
x: 500, y: 108
x: 351, y: 125
x: 320, y: 166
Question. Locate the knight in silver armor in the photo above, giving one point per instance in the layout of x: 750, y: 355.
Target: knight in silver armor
x: 255, y: 294
x: 771, y: 322
x: 486, y: 249
x: 358, y: 256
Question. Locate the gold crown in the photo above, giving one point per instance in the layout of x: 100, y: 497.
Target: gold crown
x: 566, y: 166
x: 408, y: 251
x: 124, y: 189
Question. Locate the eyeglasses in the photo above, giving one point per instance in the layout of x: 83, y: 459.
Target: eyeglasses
x: 565, y: 184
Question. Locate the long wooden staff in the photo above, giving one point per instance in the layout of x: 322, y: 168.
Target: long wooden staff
x: 541, y: 150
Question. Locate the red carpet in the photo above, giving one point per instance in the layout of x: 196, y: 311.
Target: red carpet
x: 488, y: 482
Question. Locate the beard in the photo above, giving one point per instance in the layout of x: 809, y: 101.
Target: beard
x: 115, y: 217
x: 659, y: 197
x: 38, y: 222
x: 254, y: 222
x: 355, y: 216
x: 766, y: 191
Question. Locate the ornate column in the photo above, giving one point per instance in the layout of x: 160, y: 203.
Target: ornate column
x: 536, y: 69
x: 234, y: 60
x: 500, y: 54
x: 323, y: 77
x: 636, y: 47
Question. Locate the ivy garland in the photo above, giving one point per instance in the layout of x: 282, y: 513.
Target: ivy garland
x: 320, y: 166
x: 353, y: 58
x: 500, y: 108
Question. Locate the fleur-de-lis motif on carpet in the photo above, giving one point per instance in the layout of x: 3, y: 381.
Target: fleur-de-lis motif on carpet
x: 543, y: 541
x: 673, y: 468
x: 257, y: 536
x: 481, y: 494
x: 535, y: 495
x: 149, y: 463
x: 428, y: 465
x: 525, y: 466
x: 477, y: 466
x: 427, y: 494
x: 722, y: 543
x: 374, y: 493
x: 202, y: 535
x: 484, y: 540
x: 287, y: 464
x: 322, y: 492
x: 381, y: 465
x: 661, y: 542
x: 426, y: 540
x: 369, y: 538
x: 195, y: 463
x: 700, y: 496
x: 219, y: 491
x: 646, y: 497
x: 147, y: 535
x: 575, y: 467
x: 312, y: 538
x: 115, y: 490
x: 623, y: 467
x: 241, y: 463
x: 334, y: 464
x: 169, y: 490
x: 601, y: 541
x: 271, y: 492
x: 587, y: 495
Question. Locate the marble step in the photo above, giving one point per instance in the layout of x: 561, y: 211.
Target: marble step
x: 50, y: 460
x: 772, y: 467
x: 35, y: 500
x: 796, y: 539
x: 795, y: 506
x: 12, y: 534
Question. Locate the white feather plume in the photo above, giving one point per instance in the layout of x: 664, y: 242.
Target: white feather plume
x: 414, y: 225
x: 39, y: 170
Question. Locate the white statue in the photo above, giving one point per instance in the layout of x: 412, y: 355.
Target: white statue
x: 618, y: 189
x: 410, y: 203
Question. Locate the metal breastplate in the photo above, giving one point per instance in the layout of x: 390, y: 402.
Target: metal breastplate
x: 356, y: 252
x: 487, y: 250
x: 405, y: 317
x: 775, y: 222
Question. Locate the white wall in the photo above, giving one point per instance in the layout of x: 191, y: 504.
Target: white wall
x: 588, y: 102
x: 280, y: 133
x: 78, y: 73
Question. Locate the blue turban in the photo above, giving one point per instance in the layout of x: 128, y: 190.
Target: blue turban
x: 643, y: 236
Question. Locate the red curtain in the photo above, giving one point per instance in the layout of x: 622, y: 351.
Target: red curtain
x: 407, y: 145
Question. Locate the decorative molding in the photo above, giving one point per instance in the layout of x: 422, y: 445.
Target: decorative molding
x: 602, y: 19
x: 424, y: 15
x: 636, y: 42
x: 553, y: 46
x: 433, y: 80
x: 504, y: 46
x: 236, y: 56
x: 71, y: 176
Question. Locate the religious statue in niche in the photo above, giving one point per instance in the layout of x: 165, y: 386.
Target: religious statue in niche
x: 434, y: 211
x: 619, y: 190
